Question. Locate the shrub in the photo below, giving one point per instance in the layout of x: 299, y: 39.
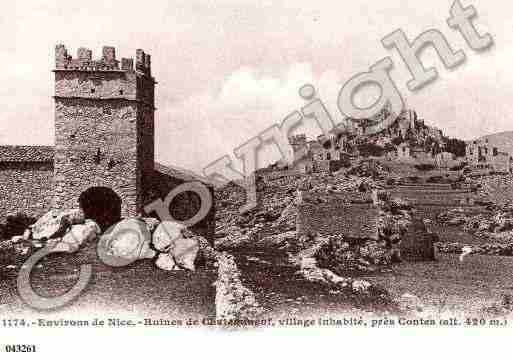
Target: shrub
x: 384, y: 196
x: 435, y: 179
x: 458, y: 167
x: 397, y: 141
x: 389, y: 147
x: 371, y: 149
x: 15, y: 225
x: 457, y: 147
x: 425, y: 167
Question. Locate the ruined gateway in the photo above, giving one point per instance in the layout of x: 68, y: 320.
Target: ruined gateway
x: 104, y: 146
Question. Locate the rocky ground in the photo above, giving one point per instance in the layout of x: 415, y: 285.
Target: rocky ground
x: 490, y: 231
x: 147, y: 260
x: 259, y: 267
x: 266, y: 249
x: 287, y: 274
x: 480, y: 286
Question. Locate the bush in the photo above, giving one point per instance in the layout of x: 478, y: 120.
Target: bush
x: 389, y: 147
x: 435, y: 179
x: 425, y: 167
x: 397, y: 141
x: 15, y: 225
x: 457, y: 147
x: 459, y: 167
x: 371, y: 149
x: 390, y: 182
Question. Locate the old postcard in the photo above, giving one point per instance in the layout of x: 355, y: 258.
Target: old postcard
x: 230, y: 172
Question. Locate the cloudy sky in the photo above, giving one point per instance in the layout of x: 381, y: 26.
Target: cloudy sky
x: 228, y: 69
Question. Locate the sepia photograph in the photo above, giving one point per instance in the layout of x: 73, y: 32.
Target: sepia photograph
x: 231, y: 172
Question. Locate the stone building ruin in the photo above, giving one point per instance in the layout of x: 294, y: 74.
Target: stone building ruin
x: 104, y: 145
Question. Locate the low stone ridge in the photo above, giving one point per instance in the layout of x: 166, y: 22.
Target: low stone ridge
x: 128, y: 240
x: 233, y: 300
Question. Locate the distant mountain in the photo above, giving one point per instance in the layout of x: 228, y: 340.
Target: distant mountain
x: 502, y: 140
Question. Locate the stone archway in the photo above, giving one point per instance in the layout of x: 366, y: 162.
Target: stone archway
x: 102, y: 205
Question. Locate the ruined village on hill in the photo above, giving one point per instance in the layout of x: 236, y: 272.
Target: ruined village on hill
x: 404, y: 221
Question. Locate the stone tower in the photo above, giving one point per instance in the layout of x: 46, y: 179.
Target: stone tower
x: 104, y: 128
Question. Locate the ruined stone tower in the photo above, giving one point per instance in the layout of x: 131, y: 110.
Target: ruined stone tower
x: 104, y: 128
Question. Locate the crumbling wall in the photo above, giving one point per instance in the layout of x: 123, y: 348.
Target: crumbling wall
x: 353, y: 220
x: 233, y: 300
x: 25, y: 187
x: 417, y: 244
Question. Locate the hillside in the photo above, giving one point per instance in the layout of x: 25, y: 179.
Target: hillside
x: 502, y: 140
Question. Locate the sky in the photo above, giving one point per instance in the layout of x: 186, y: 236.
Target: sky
x: 226, y: 69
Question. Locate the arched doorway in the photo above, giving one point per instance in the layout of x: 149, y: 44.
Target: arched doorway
x: 102, y: 205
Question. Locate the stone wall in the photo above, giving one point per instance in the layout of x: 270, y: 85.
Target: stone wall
x: 336, y: 217
x: 104, y: 127
x: 96, y: 85
x: 417, y: 244
x: 430, y: 195
x: 25, y: 187
x: 104, y: 137
x: 96, y: 146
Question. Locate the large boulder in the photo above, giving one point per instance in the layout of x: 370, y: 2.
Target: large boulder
x: 125, y: 242
x: 151, y: 222
x: 166, y: 262
x: 80, y: 234
x: 184, y: 252
x: 166, y: 233
x: 181, y: 244
x: 55, y: 222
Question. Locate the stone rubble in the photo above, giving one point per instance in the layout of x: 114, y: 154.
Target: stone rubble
x: 55, y: 222
x: 129, y: 239
x: 233, y: 300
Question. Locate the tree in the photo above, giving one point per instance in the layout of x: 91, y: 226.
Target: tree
x: 398, y: 140
x: 456, y: 147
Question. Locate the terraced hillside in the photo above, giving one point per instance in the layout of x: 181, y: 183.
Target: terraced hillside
x: 433, y: 194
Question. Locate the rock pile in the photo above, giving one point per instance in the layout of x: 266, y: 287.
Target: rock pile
x: 342, y: 256
x: 268, y: 234
x: 233, y: 300
x: 492, y: 249
x: 309, y: 268
x: 491, y: 222
x: 495, y: 189
x: 173, y: 245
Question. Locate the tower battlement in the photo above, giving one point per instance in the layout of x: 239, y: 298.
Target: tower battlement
x: 104, y: 126
x: 84, y: 60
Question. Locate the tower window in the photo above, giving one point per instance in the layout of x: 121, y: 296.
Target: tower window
x: 92, y: 90
x: 121, y: 92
